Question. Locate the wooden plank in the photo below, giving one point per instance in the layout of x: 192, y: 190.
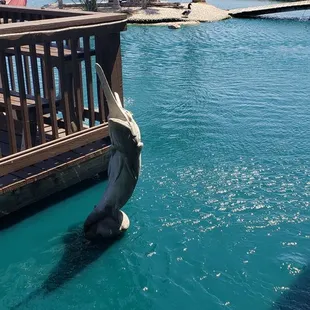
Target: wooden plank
x: 67, y: 156
x: 53, y: 181
x: 101, y: 98
x: 15, y: 100
x: 10, y: 164
x: 7, y: 102
x: 69, y: 162
x: 38, y: 37
x: 45, y: 12
x: 64, y: 89
x: 57, y: 171
x: 270, y: 9
x: 48, y: 129
x: 25, y: 50
x: 91, y: 147
x: 48, y: 164
x: 8, y: 180
x: 70, y: 87
x: 49, y: 132
x: 77, y: 85
x: 108, y: 55
x: 101, y: 103
x: 60, y: 121
x: 50, y: 89
x: 22, y: 96
x: 89, y: 82
x: 37, y: 95
x: 51, y: 24
x: 24, y: 152
x: 5, y: 17
x: 27, y: 172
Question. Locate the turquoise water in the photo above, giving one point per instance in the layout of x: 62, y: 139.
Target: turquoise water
x: 220, y: 216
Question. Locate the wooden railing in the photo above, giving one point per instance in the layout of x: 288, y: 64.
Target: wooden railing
x: 12, y: 14
x: 48, y: 80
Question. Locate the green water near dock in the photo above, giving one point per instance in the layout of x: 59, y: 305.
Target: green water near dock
x: 220, y: 216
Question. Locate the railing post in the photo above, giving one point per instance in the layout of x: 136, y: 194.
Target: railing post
x: 8, y: 105
x: 60, y: 4
x: 108, y: 55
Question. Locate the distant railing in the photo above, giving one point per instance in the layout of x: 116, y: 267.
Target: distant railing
x: 12, y: 14
x: 48, y: 85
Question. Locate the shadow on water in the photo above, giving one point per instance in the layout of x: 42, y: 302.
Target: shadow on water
x: 78, y: 254
x: 298, y: 295
x: 28, y: 211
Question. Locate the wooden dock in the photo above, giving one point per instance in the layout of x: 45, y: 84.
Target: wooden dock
x: 270, y: 9
x: 53, y: 114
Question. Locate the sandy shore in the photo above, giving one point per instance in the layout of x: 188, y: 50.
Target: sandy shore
x: 200, y: 12
x: 160, y: 16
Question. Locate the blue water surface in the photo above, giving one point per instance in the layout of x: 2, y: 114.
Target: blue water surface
x: 220, y: 216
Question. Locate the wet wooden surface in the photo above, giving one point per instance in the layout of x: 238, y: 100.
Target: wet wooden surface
x: 8, y: 181
x: 56, y: 175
